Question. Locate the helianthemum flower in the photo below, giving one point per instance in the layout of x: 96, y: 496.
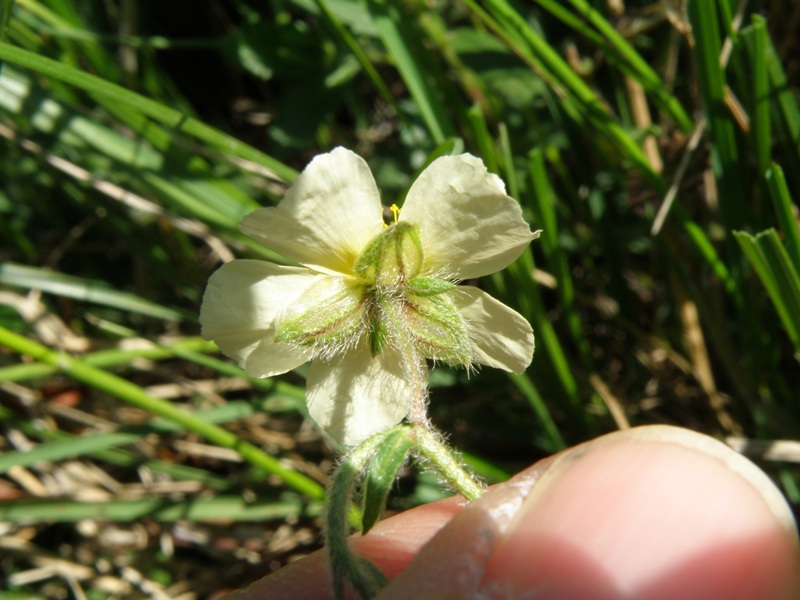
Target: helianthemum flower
x: 372, y: 301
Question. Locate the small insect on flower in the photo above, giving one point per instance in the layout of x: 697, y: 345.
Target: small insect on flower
x: 372, y: 300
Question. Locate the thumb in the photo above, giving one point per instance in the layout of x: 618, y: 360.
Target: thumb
x: 649, y: 513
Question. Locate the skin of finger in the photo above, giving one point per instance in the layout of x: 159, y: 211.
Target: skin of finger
x: 453, y: 563
x: 652, y: 518
x: 391, y: 544
x: 651, y: 513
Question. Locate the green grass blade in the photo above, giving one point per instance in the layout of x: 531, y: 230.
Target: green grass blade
x: 109, y: 92
x: 543, y: 205
x: 755, y: 42
x: 136, y: 164
x: 128, y: 392
x: 785, y: 210
x: 71, y: 447
x: 65, y: 446
x: 192, y: 348
x: 725, y: 155
x: 785, y: 106
x: 786, y: 279
x: 86, y: 290
x: 124, y: 458
x: 771, y: 262
x: 547, y: 339
x: 62, y: 21
x: 709, y: 253
x: 577, y: 23
x: 389, y: 21
x: 633, y: 63
x: 540, y: 409
x: 233, y: 508
x: 6, y: 6
x: 483, y: 139
x: 510, y: 172
x: 357, y: 51
x: 484, y: 469
x: 544, y: 59
x: 200, y: 199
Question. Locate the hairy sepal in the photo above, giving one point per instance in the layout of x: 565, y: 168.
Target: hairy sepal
x: 329, y: 317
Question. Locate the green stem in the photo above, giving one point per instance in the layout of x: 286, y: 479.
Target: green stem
x: 414, y: 367
x: 124, y: 390
x: 429, y: 446
x: 346, y: 566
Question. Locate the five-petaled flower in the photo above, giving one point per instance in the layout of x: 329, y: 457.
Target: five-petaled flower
x: 372, y: 301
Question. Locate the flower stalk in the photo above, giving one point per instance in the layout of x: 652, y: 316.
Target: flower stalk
x: 444, y: 460
x: 372, y: 466
x: 365, y: 578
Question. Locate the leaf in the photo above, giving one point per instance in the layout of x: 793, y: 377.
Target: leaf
x: 381, y: 473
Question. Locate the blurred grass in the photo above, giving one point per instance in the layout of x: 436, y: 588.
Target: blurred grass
x: 134, y: 137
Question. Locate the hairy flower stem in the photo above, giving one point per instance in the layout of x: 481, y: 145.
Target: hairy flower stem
x: 364, y: 576
x: 413, y: 364
x: 346, y: 566
x: 418, y: 413
x: 430, y: 446
x: 428, y: 442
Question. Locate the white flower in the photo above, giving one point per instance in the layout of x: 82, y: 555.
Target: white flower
x: 369, y: 297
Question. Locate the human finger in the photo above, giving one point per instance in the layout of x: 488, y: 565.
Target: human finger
x: 652, y: 513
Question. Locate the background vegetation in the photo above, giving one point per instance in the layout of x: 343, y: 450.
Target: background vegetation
x: 657, y: 144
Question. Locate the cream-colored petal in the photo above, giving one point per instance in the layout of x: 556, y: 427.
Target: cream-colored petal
x: 326, y: 217
x: 242, y: 303
x: 355, y: 395
x: 500, y: 336
x: 468, y: 225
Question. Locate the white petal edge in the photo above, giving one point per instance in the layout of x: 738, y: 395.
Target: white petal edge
x: 356, y: 395
x: 242, y: 303
x: 326, y: 218
x: 500, y: 336
x: 468, y: 225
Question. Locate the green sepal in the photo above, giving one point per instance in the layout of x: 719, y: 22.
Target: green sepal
x: 381, y: 473
x: 330, y: 313
x: 429, y: 286
x: 438, y: 329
